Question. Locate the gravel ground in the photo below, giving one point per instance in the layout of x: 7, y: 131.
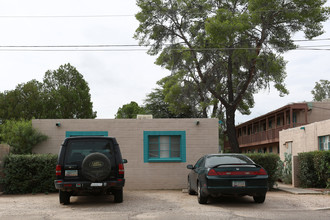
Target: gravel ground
x: 165, y: 204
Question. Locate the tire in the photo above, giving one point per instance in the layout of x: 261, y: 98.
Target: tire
x: 96, y: 167
x: 64, y: 197
x: 259, y: 199
x: 190, y: 190
x: 118, y: 193
x: 202, y: 199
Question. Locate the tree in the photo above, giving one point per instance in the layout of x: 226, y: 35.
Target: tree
x: 25, y: 101
x: 179, y: 98
x: 232, y: 48
x: 67, y: 94
x: 155, y: 104
x: 63, y: 94
x: 20, y: 136
x: 130, y: 110
x: 321, y: 90
x: 29, y: 100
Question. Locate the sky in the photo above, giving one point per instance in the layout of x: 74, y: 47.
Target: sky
x: 119, y: 75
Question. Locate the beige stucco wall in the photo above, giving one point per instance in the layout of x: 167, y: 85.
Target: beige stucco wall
x: 200, y: 139
x: 304, y: 139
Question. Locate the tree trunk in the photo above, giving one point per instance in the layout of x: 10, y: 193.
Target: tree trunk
x: 231, y: 131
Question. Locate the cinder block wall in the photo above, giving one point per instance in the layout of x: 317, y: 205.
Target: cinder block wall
x: 200, y: 139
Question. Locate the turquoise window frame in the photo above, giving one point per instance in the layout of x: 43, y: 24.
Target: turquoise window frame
x: 182, y: 135
x: 85, y: 133
x: 322, y: 141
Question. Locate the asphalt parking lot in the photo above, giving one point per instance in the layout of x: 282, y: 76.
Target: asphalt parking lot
x: 165, y: 204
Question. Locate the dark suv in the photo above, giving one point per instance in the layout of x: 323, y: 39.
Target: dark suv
x: 90, y: 165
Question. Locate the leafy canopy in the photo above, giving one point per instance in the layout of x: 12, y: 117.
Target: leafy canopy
x: 232, y: 48
x: 63, y: 94
x: 130, y: 110
x: 321, y: 90
x: 67, y: 94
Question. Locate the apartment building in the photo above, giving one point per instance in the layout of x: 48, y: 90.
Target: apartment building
x: 261, y: 134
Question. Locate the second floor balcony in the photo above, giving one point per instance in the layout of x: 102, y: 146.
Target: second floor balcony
x: 263, y: 137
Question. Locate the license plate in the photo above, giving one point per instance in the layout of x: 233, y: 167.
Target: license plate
x: 96, y: 184
x: 238, y: 183
x: 71, y: 172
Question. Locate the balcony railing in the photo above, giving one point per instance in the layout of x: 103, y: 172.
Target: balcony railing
x: 263, y: 137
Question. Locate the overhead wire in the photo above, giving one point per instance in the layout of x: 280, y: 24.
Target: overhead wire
x: 129, y: 47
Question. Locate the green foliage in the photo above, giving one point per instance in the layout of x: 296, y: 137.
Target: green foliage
x: 63, y: 94
x: 29, y: 174
x: 286, y: 168
x: 232, y: 49
x: 26, y: 101
x: 179, y: 98
x: 321, y: 90
x: 271, y: 164
x: 67, y: 94
x: 314, y: 169
x: 21, y: 136
x: 130, y: 110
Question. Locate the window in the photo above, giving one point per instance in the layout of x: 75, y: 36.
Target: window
x: 164, y: 146
x: 199, y: 163
x: 279, y: 121
x: 324, y: 142
x: 294, y: 117
x: 270, y: 123
x: 77, y: 150
x: 288, y: 146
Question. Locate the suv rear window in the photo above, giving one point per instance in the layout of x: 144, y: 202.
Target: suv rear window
x: 77, y: 150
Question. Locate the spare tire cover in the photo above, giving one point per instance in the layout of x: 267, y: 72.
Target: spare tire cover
x: 96, y: 167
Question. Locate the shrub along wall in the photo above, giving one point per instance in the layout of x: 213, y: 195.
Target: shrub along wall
x: 32, y: 173
x: 271, y: 164
x: 314, y: 169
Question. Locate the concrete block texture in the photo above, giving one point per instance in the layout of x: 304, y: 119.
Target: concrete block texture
x: 201, y: 139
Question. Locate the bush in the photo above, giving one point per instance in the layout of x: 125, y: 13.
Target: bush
x: 314, y: 169
x: 271, y: 164
x: 285, y: 169
x: 21, y: 136
x: 34, y: 173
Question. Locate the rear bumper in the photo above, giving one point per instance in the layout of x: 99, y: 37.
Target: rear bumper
x: 88, y: 185
x: 252, y: 191
x: 224, y: 186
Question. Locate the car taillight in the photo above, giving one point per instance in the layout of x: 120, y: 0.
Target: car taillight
x: 121, y: 169
x: 58, y: 170
x: 212, y: 172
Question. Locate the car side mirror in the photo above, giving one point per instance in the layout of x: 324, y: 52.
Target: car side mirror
x: 125, y: 161
x: 190, y: 167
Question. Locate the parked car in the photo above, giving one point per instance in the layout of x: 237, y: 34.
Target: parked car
x: 90, y: 166
x: 227, y: 174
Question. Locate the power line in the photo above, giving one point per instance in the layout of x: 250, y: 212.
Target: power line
x: 64, y: 16
x: 104, y: 48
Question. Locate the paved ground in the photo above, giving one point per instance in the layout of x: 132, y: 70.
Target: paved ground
x: 165, y: 204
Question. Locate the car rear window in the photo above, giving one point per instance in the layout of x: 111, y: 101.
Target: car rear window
x: 77, y: 150
x: 226, y: 159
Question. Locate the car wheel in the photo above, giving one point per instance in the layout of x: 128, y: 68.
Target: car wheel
x: 202, y: 199
x: 118, y: 195
x: 259, y: 199
x: 96, y: 167
x: 190, y: 190
x: 64, y: 197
